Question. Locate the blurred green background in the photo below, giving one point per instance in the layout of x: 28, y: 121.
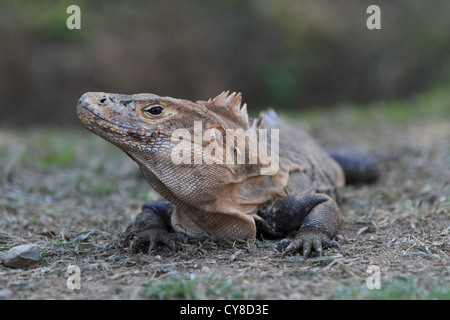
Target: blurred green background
x: 290, y: 55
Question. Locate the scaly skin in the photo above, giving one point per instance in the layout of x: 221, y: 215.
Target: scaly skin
x: 221, y: 200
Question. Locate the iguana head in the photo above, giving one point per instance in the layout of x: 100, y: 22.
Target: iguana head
x: 146, y: 122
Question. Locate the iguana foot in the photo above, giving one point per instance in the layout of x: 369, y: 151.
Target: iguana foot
x: 152, y: 227
x: 146, y: 240
x: 316, y: 217
x: 308, y: 239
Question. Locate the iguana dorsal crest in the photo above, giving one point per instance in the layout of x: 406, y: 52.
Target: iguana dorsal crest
x: 229, y: 106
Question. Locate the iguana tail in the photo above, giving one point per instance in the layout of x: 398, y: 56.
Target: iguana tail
x: 358, y: 166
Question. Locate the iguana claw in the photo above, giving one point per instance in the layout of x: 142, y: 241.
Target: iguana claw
x: 307, y: 239
x: 152, y: 227
x: 135, y: 240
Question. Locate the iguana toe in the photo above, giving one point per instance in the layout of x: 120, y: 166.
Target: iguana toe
x: 308, y: 239
x: 147, y: 240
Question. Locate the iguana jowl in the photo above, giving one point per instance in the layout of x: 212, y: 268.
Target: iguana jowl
x: 222, y: 200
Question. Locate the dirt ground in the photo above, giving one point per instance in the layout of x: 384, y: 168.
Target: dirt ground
x: 73, y: 194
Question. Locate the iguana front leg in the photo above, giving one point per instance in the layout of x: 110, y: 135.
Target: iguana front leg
x: 151, y: 226
x: 314, y: 217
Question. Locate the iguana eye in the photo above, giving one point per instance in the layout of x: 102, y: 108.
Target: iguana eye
x: 154, y: 110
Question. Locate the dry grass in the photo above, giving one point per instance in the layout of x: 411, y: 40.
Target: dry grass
x: 73, y: 195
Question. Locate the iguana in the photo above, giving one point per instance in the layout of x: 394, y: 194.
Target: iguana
x: 228, y: 199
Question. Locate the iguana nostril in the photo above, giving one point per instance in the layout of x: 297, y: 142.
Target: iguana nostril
x: 102, y: 100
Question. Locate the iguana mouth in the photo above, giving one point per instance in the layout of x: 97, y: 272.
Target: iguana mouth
x: 94, y: 122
